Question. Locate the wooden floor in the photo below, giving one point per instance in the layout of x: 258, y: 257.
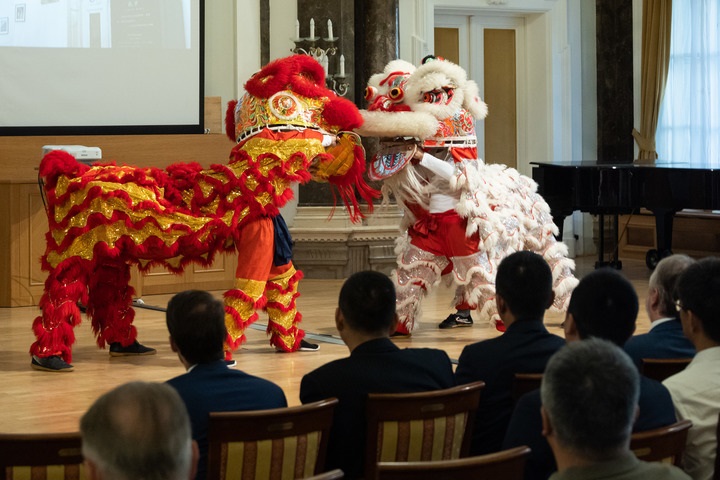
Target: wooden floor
x: 33, y: 401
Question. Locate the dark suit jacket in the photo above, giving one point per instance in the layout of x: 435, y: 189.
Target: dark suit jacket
x: 656, y: 410
x: 213, y: 387
x: 376, y: 366
x: 663, y: 341
x: 525, y: 347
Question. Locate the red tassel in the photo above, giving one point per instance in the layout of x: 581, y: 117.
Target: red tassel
x: 346, y: 186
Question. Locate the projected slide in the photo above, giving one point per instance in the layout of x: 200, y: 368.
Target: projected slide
x: 92, y: 64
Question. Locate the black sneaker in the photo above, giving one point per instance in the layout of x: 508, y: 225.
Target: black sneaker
x: 455, y: 320
x: 230, y: 363
x: 117, y: 350
x: 50, y: 364
x: 308, y: 347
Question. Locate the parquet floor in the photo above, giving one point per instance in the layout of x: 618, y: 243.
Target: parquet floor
x: 33, y: 401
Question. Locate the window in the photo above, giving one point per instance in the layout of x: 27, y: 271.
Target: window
x: 689, y: 122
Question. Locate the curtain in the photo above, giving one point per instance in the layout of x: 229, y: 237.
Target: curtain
x: 689, y: 124
x: 656, y: 19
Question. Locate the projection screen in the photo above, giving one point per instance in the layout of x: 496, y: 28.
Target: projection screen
x: 101, y: 67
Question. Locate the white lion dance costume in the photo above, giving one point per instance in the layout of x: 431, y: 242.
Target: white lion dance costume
x: 462, y: 217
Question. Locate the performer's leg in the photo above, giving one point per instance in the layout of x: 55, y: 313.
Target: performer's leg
x: 417, y: 272
x: 473, y: 271
x: 110, y: 308
x: 462, y: 316
x: 477, y: 289
x: 281, y: 292
x: 254, y: 244
x: 65, y: 286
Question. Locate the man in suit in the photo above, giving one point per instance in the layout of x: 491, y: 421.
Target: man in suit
x: 590, y: 394
x: 523, y: 292
x: 196, y: 322
x: 138, y: 430
x: 665, y: 339
x: 603, y: 305
x: 365, y: 319
x: 696, y: 390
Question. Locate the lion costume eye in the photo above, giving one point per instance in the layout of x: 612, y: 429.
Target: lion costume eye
x: 439, y: 96
x: 396, y: 94
x: 370, y: 93
x: 430, y: 97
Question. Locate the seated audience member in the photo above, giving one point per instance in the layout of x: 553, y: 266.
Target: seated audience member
x: 196, y: 322
x: 365, y: 319
x: 603, y: 305
x: 590, y: 393
x: 138, y: 430
x: 696, y: 390
x: 665, y: 339
x: 523, y: 292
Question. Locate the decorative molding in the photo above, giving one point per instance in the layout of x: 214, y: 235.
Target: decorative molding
x: 333, y: 247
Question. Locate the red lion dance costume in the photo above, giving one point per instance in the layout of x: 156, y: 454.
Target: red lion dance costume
x: 462, y: 217
x: 105, y: 218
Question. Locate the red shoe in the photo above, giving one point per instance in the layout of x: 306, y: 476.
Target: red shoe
x: 401, y: 331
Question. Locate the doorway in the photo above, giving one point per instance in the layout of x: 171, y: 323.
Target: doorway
x: 490, y: 49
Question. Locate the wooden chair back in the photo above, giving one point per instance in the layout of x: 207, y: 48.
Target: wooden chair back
x: 282, y: 443
x: 524, y: 383
x: 424, y: 426
x: 331, y: 475
x: 504, y: 465
x: 664, y: 444
x: 661, y: 368
x: 51, y: 456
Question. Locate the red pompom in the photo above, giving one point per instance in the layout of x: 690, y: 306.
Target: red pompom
x: 342, y: 113
x: 230, y: 120
x: 59, y: 162
x: 300, y: 73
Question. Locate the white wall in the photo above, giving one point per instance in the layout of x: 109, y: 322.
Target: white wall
x: 232, y: 42
x: 220, y: 58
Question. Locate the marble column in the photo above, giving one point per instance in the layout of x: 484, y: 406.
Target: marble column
x: 335, y: 248
x: 377, y: 40
x: 614, y: 81
x: 342, y: 15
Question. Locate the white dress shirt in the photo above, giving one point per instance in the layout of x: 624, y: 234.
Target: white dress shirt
x: 696, y: 395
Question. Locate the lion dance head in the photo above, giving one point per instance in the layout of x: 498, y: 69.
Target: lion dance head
x: 287, y: 109
x: 434, y: 105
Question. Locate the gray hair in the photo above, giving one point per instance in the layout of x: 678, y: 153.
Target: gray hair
x: 664, y: 279
x: 138, y: 431
x: 590, y: 390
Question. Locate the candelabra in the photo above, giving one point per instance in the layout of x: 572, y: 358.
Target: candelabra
x: 321, y: 49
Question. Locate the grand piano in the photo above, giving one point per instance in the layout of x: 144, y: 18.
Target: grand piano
x: 619, y: 189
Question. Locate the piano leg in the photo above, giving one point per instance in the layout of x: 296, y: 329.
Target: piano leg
x: 663, y: 237
x: 615, y: 262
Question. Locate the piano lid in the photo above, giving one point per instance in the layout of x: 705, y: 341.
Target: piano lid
x: 660, y: 165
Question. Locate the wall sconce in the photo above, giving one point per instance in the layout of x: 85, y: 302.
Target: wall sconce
x: 321, y: 49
